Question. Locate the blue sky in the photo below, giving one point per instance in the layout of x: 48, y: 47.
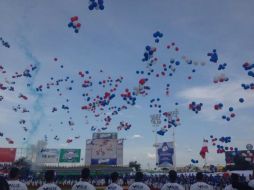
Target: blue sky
x: 113, y: 40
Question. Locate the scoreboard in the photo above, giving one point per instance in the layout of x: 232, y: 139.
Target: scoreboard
x: 104, y: 149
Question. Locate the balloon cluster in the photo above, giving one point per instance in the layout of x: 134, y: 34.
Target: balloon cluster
x: 232, y: 115
x: 141, y: 89
x: 222, y: 149
x: 220, y: 78
x: 248, y: 66
x: 172, y: 120
x: 248, y: 86
x: 4, y: 43
x: 128, y: 97
x: 193, y: 161
x: 2, y: 69
x: 162, y: 131
x: 225, y: 139
x: 173, y: 46
x: 123, y: 125
x: 74, y: 24
x: 213, y: 56
x: 155, y: 103
x: 157, y: 35
x: 222, y: 66
x: 195, y: 107
x: 167, y: 90
x: 96, y: 4
x: 149, y: 52
x: 218, y: 106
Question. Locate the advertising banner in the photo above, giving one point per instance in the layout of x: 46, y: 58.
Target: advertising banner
x: 7, y: 154
x: 48, y: 156
x: 165, y: 155
x: 70, y: 155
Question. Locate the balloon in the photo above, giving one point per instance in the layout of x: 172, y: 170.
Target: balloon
x: 241, y: 100
x: 213, y: 56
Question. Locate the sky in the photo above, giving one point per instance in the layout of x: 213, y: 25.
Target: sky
x: 113, y: 41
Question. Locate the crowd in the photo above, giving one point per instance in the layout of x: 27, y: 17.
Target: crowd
x: 139, y: 181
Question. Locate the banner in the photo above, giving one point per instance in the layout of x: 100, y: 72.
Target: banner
x: 47, y: 156
x: 70, y: 155
x: 165, y: 155
x: 106, y: 161
x: 7, y: 154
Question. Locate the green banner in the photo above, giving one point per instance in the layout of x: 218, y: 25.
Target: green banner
x: 70, y: 155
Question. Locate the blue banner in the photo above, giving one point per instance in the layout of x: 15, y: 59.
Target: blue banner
x: 165, y: 154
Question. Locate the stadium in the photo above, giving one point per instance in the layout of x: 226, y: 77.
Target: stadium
x: 126, y: 94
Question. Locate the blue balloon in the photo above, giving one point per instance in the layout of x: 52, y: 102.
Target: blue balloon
x: 231, y: 109
x: 241, y: 100
x: 177, y: 62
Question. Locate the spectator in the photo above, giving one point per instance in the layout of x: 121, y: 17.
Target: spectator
x: 114, y: 185
x: 84, y: 182
x: 172, y: 182
x: 138, y: 184
x: 49, y: 178
x: 14, y: 183
x: 200, y: 185
x: 236, y: 184
x: 3, y: 184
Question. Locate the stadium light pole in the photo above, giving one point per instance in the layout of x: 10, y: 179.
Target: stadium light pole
x: 156, y: 121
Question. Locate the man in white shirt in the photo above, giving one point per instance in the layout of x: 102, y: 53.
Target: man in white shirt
x: 14, y: 182
x: 172, y: 185
x: 200, y: 185
x: 138, y: 184
x: 114, y: 185
x: 84, y: 184
x: 49, y: 178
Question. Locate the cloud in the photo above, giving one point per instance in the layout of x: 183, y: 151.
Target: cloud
x: 137, y: 136
x: 151, y: 156
x: 138, y: 106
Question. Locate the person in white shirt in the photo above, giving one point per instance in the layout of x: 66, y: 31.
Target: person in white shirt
x: 251, y: 183
x: 200, y: 185
x: 138, y: 184
x: 49, y: 178
x: 114, y: 185
x: 84, y: 184
x: 172, y: 185
x: 14, y: 183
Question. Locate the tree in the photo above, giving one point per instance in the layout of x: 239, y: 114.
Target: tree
x: 135, y: 165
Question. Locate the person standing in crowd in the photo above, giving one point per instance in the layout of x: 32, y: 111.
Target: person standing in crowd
x: 84, y: 184
x: 138, y: 184
x: 251, y: 182
x: 200, y: 185
x: 172, y: 175
x: 14, y: 183
x: 236, y: 184
x: 3, y: 184
x: 114, y: 185
x: 49, y: 178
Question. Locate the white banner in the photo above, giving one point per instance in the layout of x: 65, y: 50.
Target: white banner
x: 47, y: 156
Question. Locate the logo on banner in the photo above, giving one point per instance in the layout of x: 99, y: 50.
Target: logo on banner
x: 70, y: 155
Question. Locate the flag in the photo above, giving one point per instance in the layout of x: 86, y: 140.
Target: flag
x: 204, y: 149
